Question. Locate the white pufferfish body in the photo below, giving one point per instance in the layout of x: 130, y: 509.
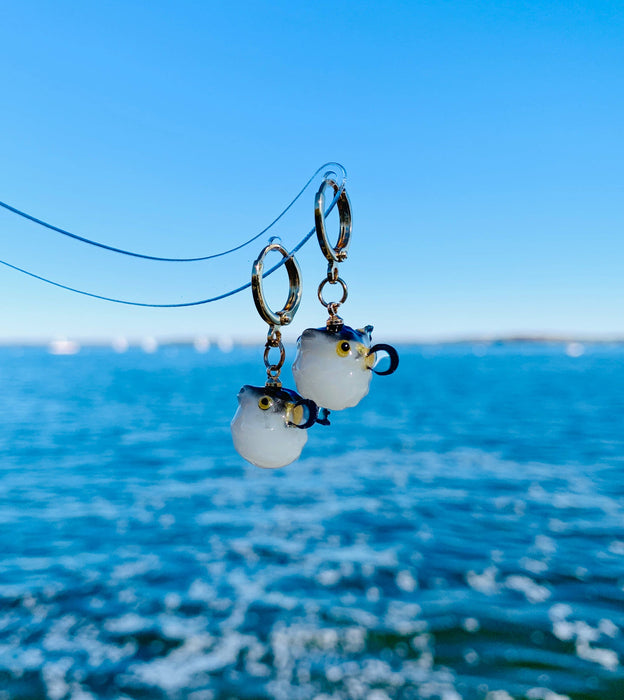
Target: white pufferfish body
x: 333, y: 367
x: 266, y: 428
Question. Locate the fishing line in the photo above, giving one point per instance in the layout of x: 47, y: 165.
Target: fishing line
x: 198, y: 302
x: 342, y: 174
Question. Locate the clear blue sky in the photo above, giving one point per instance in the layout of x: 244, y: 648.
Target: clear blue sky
x: 484, y: 143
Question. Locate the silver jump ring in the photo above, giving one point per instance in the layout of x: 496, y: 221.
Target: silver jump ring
x: 339, y: 281
x: 275, y: 366
x: 286, y: 315
x: 338, y: 253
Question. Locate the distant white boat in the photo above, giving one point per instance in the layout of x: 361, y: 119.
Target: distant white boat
x: 201, y: 344
x: 225, y: 343
x: 149, y: 345
x: 120, y: 344
x: 575, y: 349
x: 62, y: 346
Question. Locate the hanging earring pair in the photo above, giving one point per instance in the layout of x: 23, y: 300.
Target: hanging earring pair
x: 334, y: 365
x: 270, y: 426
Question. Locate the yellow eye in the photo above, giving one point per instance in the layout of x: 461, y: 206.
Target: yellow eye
x: 343, y: 348
x: 265, y: 403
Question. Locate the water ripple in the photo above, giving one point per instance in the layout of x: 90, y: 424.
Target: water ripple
x: 468, y: 544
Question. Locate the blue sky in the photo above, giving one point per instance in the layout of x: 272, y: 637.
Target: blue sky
x: 483, y: 141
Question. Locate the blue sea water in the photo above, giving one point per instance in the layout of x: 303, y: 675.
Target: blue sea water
x: 459, y: 534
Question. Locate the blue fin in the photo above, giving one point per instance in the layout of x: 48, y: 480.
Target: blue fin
x: 323, y: 415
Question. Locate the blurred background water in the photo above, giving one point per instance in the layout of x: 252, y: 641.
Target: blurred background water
x: 459, y: 534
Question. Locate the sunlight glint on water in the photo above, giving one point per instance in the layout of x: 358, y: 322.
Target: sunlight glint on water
x: 459, y: 534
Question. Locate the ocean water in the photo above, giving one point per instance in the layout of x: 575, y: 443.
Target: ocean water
x: 459, y: 534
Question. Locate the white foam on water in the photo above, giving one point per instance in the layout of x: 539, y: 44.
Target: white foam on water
x: 559, y: 611
x: 617, y: 547
x: 406, y: 581
x: 140, y: 566
x: 498, y: 695
x: 130, y: 623
x: 535, y: 566
x: 200, y: 590
x: 544, y: 694
x: 199, y: 695
x: 484, y: 582
x: 471, y: 624
x: 77, y: 692
x: 329, y: 577
x: 32, y: 563
x: 608, y: 628
x: 584, y: 635
x: 545, y: 544
x: 533, y: 592
x: 606, y: 658
x: 326, y: 590
x: 173, y: 627
x: 404, y: 618
x: 53, y: 674
x: 183, y: 667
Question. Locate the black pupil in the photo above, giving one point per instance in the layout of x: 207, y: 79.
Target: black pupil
x: 264, y: 401
x: 345, y: 347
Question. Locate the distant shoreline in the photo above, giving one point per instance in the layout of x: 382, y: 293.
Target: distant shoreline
x: 204, y: 343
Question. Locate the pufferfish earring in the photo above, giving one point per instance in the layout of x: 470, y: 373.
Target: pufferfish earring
x: 334, y: 365
x: 269, y: 428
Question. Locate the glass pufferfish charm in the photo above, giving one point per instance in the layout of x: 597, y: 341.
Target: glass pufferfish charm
x: 269, y: 428
x: 334, y: 365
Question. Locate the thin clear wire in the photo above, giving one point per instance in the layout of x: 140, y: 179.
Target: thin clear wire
x: 342, y: 173
x: 198, y: 302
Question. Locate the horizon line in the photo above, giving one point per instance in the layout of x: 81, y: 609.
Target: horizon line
x: 204, y: 341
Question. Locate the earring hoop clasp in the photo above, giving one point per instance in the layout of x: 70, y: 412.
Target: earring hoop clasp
x: 338, y: 253
x: 286, y: 315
